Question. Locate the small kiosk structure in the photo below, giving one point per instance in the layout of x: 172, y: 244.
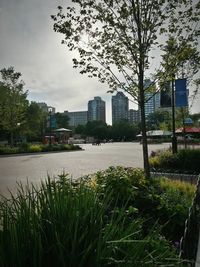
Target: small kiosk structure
x: 62, y: 135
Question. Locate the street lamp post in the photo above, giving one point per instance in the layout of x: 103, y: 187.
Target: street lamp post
x: 50, y: 113
x: 174, y: 140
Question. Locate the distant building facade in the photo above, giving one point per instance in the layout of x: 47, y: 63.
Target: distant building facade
x: 97, y: 109
x: 152, y: 103
x: 46, y: 108
x: 77, y: 118
x: 120, y: 107
x: 133, y: 116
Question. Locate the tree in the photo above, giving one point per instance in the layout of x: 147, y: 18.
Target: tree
x: 13, y: 102
x: 97, y: 129
x: 35, y: 122
x: 62, y: 120
x: 159, y: 120
x: 181, y: 59
x: 114, y: 40
x: 124, y: 131
x: 196, y: 118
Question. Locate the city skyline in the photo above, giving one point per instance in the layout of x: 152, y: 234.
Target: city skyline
x: 29, y: 44
x: 96, y: 108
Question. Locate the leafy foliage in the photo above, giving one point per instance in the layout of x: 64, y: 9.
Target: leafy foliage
x: 122, y: 130
x: 35, y: 122
x: 158, y: 201
x: 62, y: 224
x: 186, y: 160
x: 62, y: 121
x: 13, y: 103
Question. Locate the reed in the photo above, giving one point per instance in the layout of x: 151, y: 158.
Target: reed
x: 66, y: 224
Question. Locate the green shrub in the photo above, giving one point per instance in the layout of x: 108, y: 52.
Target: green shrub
x: 148, y: 199
x: 60, y: 147
x: 186, y: 160
x: 9, y: 150
x: 24, y: 147
x: 172, y: 213
x: 66, y: 225
x: 34, y: 148
x: 29, y: 148
x: 121, y: 183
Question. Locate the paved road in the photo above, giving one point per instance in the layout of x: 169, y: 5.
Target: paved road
x: 35, y: 167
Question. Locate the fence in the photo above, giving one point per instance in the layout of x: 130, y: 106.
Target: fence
x: 189, y: 241
x: 177, y: 176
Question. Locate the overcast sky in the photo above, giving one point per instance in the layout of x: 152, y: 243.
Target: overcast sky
x: 28, y: 42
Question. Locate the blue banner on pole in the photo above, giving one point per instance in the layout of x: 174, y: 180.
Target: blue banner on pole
x: 181, y: 93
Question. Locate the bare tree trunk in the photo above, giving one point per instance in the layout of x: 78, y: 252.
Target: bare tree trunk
x: 144, y: 137
x: 142, y: 95
x: 143, y: 122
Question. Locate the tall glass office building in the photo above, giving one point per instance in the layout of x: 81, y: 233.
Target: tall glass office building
x: 120, y: 107
x: 97, y: 109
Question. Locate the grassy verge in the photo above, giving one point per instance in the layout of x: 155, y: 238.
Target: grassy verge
x: 112, y: 218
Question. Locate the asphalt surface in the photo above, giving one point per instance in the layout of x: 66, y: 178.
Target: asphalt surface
x: 36, y: 167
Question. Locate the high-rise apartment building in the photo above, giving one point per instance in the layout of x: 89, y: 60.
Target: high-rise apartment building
x: 97, y: 109
x: 120, y: 107
x: 77, y: 118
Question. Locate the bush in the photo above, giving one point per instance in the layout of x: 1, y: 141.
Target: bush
x: 121, y: 183
x: 34, y: 148
x: 156, y: 200
x: 9, y: 150
x: 29, y: 148
x: 185, y: 160
x: 66, y: 225
x: 174, y: 206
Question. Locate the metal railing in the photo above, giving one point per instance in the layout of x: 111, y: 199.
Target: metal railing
x: 190, y: 178
x: 189, y: 241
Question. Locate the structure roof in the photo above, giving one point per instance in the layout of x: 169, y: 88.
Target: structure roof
x: 157, y: 133
x: 62, y: 130
x: 188, y: 130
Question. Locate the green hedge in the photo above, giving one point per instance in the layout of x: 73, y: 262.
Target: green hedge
x: 33, y: 148
x: 186, y: 160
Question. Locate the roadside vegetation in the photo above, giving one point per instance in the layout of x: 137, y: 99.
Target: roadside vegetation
x: 185, y: 161
x: 111, y: 218
x: 35, y: 148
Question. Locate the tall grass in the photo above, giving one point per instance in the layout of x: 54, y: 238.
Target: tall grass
x: 62, y: 224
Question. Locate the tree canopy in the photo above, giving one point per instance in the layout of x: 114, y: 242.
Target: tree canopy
x: 13, y: 102
x: 35, y: 122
